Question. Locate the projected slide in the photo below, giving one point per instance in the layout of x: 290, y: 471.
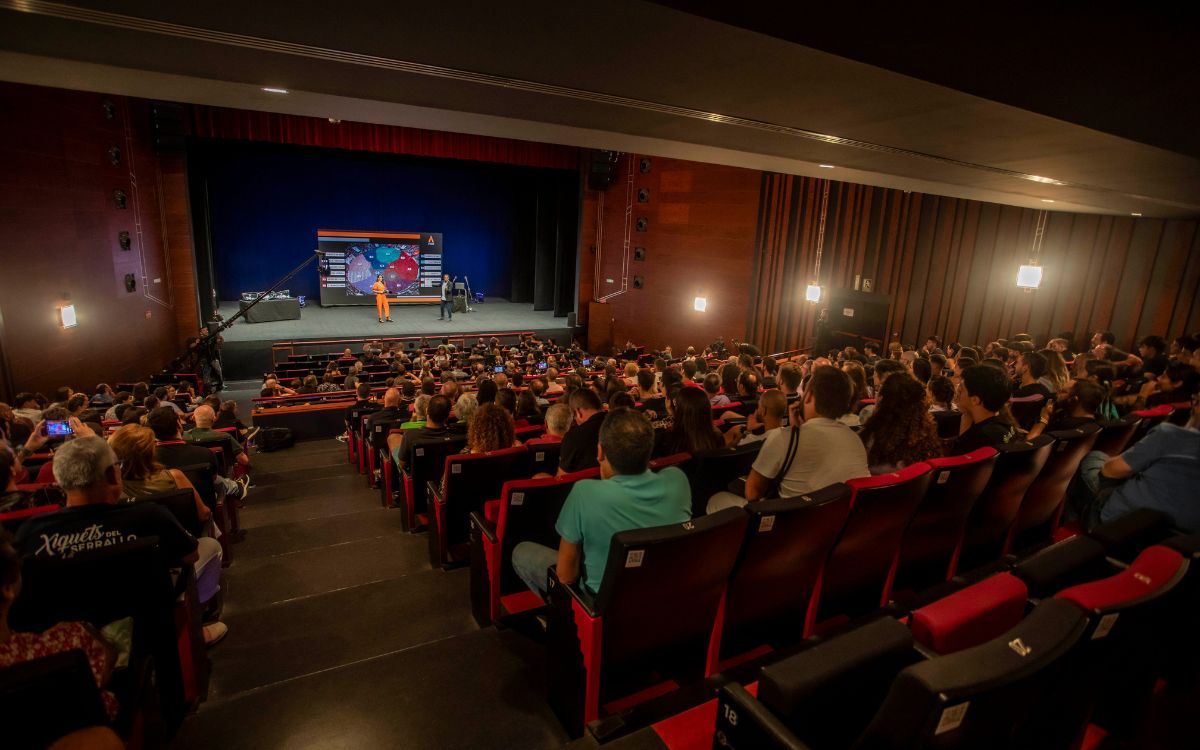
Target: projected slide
x: 411, y: 264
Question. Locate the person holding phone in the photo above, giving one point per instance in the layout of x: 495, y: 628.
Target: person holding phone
x: 382, y: 308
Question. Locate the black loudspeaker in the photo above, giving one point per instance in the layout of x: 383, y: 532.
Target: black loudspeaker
x: 644, y: 165
x: 123, y: 240
x: 119, y: 198
x: 602, y: 169
x: 110, y: 110
x: 639, y: 253
x: 130, y: 283
x: 638, y: 282
x: 169, y: 126
x: 114, y: 155
x: 643, y: 195
x: 642, y: 224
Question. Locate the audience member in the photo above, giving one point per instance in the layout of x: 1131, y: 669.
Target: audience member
x: 175, y: 453
x: 768, y: 416
x: 981, y: 395
x: 941, y: 394
x: 141, y: 473
x: 491, y: 429
x: 1078, y: 409
x: 204, y: 433
x: 901, y: 431
x: 692, y: 427
x: 437, y: 417
x: 816, y: 451
x: 884, y: 368
x: 579, y: 444
x: 627, y: 496
x: 712, y: 388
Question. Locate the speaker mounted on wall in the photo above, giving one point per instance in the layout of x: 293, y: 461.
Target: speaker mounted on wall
x: 643, y: 195
x: 130, y: 283
x: 644, y: 165
x: 642, y: 224
x: 602, y: 169
x: 114, y: 155
x: 639, y: 253
x: 119, y: 198
x: 124, y: 240
x: 639, y: 282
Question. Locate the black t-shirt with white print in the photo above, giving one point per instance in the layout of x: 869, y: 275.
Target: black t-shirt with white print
x: 70, y: 531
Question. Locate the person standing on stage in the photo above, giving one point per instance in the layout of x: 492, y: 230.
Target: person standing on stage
x: 381, y: 300
x: 447, y: 304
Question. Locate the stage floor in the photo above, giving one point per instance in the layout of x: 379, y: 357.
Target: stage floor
x: 318, y: 322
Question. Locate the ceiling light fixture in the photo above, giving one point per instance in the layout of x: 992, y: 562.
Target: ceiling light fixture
x: 66, y: 316
x: 700, y: 304
x: 1047, y: 200
x: 825, y: 166
x: 1135, y: 213
x: 812, y: 292
x: 274, y: 90
x: 1045, y: 180
x: 1029, y: 277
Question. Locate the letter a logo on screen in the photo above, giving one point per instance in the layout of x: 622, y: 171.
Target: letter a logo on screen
x: 430, y: 240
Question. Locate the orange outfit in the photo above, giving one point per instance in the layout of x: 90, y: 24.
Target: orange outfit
x: 381, y: 300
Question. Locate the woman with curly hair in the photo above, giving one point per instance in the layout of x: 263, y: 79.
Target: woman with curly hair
x: 491, y: 429
x: 901, y: 431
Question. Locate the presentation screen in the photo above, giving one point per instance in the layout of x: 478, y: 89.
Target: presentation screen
x: 411, y: 264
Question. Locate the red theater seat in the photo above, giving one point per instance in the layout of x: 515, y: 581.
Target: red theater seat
x: 468, y: 481
x: 862, y: 564
x: 428, y: 462
x: 647, y: 630
x: 526, y: 511
x: 933, y: 540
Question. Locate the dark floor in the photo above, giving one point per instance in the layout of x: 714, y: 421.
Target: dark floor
x: 341, y: 636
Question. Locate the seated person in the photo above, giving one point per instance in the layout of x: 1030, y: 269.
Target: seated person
x: 203, y: 432
x: 174, y: 453
x: 691, y: 427
x: 1076, y: 410
x: 902, y: 431
x: 826, y: 451
x: 941, y: 394
x: 527, y: 408
x: 491, y: 429
x: 579, y: 444
x: 420, y: 412
x: 712, y: 389
x: 1030, y: 368
x: 884, y: 368
x: 16, y: 648
x: 557, y: 422
x: 437, y: 415
x: 768, y: 416
x: 87, y: 471
x: 1175, y: 385
x: 982, y: 393
x: 142, y: 475
x: 11, y: 498
x: 627, y: 496
x: 1161, y: 471
x: 227, y: 416
x: 464, y: 410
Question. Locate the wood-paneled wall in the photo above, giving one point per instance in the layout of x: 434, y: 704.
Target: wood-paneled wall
x: 949, y: 265
x: 59, y: 228
x: 699, y: 241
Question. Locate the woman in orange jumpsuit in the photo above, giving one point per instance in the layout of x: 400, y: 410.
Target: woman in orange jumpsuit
x: 381, y: 300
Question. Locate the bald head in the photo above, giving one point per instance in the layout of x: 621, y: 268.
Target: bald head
x: 391, y: 397
x: 773, y: 404
x: 204, y: 416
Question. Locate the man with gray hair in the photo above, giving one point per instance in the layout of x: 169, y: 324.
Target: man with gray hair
x: 87, y: 471
x: 557, y: 420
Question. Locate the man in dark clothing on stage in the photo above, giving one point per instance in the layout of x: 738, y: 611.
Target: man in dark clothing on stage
x: 447, y: 312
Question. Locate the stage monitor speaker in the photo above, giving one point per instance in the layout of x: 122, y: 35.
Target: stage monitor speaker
x: 460, y: 304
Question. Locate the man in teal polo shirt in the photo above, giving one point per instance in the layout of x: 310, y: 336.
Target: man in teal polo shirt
x: 628, y: 496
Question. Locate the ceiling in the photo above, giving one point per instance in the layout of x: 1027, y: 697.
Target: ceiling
x: 640, y: 77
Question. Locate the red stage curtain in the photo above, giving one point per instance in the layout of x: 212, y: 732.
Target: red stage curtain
x: 270, y: 127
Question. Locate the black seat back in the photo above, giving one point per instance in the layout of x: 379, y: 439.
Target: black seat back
x: 44, y: 699
x: 982, y: 697
x: 710, y: 472
x: 928, y: 552
x: 182, y: 504
x: 787, y: 541
x: 471, y: 479
x: 1044, y: 499
x: 948, y: 423
x: 827, y: 694
x: 543, y: 457
x: 225, y: 446
x: 201, y: 477
x: 429, y: 460
x: 107, y: 584
x: 1116, y: 434
x: 661, y: 590
x: 1016, y: 467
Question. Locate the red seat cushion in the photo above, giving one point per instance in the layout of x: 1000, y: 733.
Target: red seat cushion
x: 491, y: 511
x: 1152, y: 569
x: 971, y: 616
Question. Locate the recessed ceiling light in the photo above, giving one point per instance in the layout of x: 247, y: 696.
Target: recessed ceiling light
x: 1047, y: 200
x: 1045, y: 180
x: 274, y: 90
x: 825, y: 166
x: 1135, y: 214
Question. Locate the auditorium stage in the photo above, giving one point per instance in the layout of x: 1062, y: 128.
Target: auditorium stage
x: 247, y: 350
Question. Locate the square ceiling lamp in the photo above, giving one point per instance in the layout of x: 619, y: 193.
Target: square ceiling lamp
x: 66, y: 316
x: 700, y: 304
x: 812, y: 293
x: 1029, y: 277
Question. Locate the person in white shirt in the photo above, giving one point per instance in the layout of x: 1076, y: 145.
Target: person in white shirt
x: 826, y: 451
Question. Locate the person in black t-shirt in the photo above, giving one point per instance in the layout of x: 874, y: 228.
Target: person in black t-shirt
x: 86, y: 470
x: 1153, y: 350
x: 579, y: 444
x: 982, y: 393
x: 1077, y: 410
x: 1030, y: 367
x: 437, y: 414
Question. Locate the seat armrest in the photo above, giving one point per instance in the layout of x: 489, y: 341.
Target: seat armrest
x: 484, y: 527
x: 574, y: 590
x: 745, y: 722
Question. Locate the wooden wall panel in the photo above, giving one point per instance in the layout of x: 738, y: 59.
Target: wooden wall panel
x: 699, y: 242
x: 60, y: 228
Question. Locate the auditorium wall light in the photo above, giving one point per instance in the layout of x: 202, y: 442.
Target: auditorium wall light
x: 813, y: 293
x: 275, y: 90
x: 66, y: 315
x: 825, y: 166
x: 1029, y: 277
x: 700, y: 304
